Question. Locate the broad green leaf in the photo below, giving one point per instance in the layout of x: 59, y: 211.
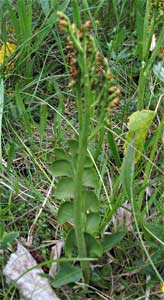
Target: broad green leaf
x: 65, y: 188
x: 70, y: 247
x: 139, y: 124
x: 61, y: 168
x: 93, y: 221
x: 73, y: 145
x: 65, y: 212
x: 110, y: 241
x: 8, y: 239
x: 90, y: 178
x: 94, y: 247
x: 127, y: 169
x: 91, y: 201
x: 88, y: 162
x: 60, y: 154
x: 67, y: 274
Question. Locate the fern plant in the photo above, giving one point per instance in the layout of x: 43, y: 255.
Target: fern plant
x: 96, y: 96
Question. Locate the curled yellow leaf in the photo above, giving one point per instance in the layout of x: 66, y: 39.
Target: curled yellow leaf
x: 138, y: 126
x: 6, y: 51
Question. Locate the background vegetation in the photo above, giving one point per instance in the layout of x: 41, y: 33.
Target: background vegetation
x: 40, y: 123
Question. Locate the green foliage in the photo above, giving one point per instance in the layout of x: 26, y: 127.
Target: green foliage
x: 91, y: 201
x: 93, y: 245
x: 70, y: 246
x: 101, y: 277
x: 65, y: 188
x: 127, y: 169
x: 7, y: 238
x: 66, y: 274
x: 90, y: 178
x: 23, y: 113
x: 60, y: 154
x: 147, y: 26
x: 139, y: 30
x: 62, y: 129
x: 49, y: 5
x: 155, y: 232
x: 111, y: 240
x: 61, y: 168
x: 113, y: 147
x: 22, y: 23
x: 91, y: 204
x: 65, y: 212
x: 93, y: 222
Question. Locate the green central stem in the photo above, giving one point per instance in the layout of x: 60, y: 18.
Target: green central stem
x: 78, y: 201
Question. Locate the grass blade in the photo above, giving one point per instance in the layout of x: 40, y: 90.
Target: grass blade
x: 23, y: 112
x: 113, y: 147
x: 127, y: 169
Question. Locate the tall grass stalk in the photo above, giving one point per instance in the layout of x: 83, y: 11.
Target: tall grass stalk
x: 22, y: 23
x: 148, y: 165
x: 147, y: 62
x: 127, y: 178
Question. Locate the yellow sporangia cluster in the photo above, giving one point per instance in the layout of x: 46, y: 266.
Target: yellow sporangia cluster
x: 6, y: 51
x: 105, y: 92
